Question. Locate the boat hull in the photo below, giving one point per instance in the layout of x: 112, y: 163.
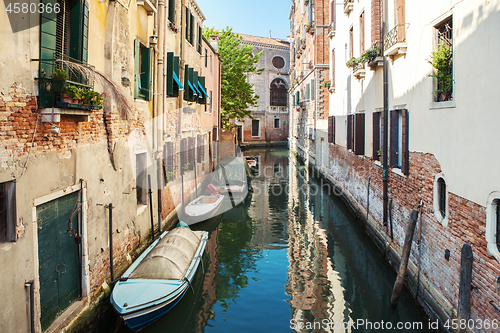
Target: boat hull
x: 142, y: 318
x: 191, y: 218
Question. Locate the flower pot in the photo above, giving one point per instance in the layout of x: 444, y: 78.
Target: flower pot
x: 75, y: 101
x: 66, y: 99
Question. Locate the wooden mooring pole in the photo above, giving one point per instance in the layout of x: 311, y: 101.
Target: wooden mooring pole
x: 465, y: 284
x: 398, y: 286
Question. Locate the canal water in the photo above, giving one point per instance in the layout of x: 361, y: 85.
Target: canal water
x: 291, y: 257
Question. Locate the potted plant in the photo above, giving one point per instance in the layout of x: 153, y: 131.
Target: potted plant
x: 170, y: 175
x: 59, y: 77
x: 187, y: 165
x: 442, y: 61
x: 326, y: 84
x: 74, y: 93
x: 352, y: 62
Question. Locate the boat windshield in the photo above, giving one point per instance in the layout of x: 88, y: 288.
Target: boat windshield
x: 171, y: 257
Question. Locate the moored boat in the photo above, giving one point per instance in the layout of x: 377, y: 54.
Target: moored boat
x: 202, y: 208
x: 159, y: 278
x: 230, y: 177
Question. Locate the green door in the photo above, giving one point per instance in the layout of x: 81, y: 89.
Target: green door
x: 58, y: 257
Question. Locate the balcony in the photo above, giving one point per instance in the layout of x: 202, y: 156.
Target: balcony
x: 348, y: 6
x: 149, y: 5
x: 54, y: 77
x: 331, y: 30
x: 395, y: 41
x: 358, y: 71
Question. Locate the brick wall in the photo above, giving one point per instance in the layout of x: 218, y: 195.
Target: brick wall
x: 467, y: 222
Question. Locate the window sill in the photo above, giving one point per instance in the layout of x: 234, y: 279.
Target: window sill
x: 378, y: 163
x: 398, y: 172
x: 141, y: 208
x: 443, y: 105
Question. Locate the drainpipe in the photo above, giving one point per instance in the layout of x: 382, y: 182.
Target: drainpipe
x: 110, y: 207
x: 31, y: 286
x: 386, y: 119
x: 160, y: 99
x: 85, y: 251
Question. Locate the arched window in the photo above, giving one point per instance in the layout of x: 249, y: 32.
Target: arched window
x: 278, y: 93
x: 441, y: 207
x: 493, y: 224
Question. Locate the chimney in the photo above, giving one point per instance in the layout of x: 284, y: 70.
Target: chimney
x: 214, y: 41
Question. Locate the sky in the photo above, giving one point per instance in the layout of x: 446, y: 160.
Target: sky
x: 250, y: 17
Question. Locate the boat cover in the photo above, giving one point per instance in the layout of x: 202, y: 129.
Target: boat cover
x: 171, y: 257
x: 235, y: 172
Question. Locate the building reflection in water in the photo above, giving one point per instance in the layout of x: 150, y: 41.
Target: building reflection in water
x: 314, y: 286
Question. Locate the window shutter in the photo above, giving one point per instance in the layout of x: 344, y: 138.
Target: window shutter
x: 191, y: 79
x: 376, y: 20
x: 48, y: 31
x: 191, y: 159
x: 199, y: 39
x: 191, y: 29
x: 393, y: 139
x: 137, y: 66
x: 405, y: 164
x: 186, y: 85
x: 147, y: 58
x: 376, y: 135
x: 331, y: 129
x: 188, y: 16
x: 332, y: 14
x: 203, y: 99
x: 171, y: 11
x: 199, y: 146
x: 350, y: 128
x: 176, y: 71
x: 214, y: 132
x: 183, y: 155
x: 169, y: 158
x: 170, y: 73
x: 359, y: 140
x: 312, y: 90
x: 382, y: 136
x: 310, y: 12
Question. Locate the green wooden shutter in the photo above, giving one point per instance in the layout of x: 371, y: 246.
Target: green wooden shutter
x: 191, y: 29
x: 376, y: 135
x: 79, y: 30
x: 176, y: 71
x: 405, y: 161
x: 202, y: 82
x: 137, y: 66
x: 48, y: 31
x: 312, y: 90
x: 187, y: 24
x: 186, y: 80
x: 191, y: 79
x: 147, y: 57
x: 195, y: 84
x: 170, y: 73
x: 171, y: 11
x: 359, y: 134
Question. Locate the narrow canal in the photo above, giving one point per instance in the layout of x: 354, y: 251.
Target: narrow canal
x: 290, y: 257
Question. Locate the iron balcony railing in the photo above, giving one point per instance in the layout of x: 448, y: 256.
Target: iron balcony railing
x: 396, y: 35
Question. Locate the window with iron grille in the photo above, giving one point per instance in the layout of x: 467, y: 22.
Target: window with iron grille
x: 63, y: 36
x: 278, y: 62
x: 497, y: 221
x: 7, y: 211
x: 278, y: 93
x: 442, y: 196
x: 276, y: 122
x: 442, y: 61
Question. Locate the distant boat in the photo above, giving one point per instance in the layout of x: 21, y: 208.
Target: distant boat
x: 230, y: 176
x: 159, y: 278
x: 202, y: 208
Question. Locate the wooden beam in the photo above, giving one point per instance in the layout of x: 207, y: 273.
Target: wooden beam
x: 465, y: 284
x: 398, y: 286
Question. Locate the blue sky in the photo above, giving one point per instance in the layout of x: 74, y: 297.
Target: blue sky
x: 251, y: 17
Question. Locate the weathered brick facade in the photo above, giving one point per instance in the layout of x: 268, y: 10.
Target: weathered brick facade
x: 433, y: 279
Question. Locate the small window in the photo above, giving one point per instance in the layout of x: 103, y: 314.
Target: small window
x: 278, y: 62
x: 493, y: 225
x: 141, y: 179
x: 7, y: 212
x: 206, y: 58
x: 256, y: 128
x: 171, y: 11
x: 276, y: 122
x: 441, y: 208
